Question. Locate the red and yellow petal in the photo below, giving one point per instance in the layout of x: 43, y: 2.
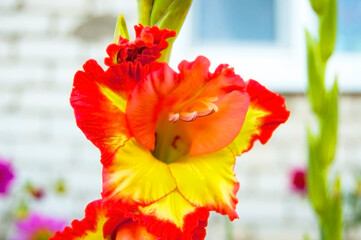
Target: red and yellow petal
x: 145, y: 104
x: 122, y: 78
x: 132, y: 231
x: 99, y: 111
x: 209, y: 108
x: 266, y: 112
x: 214, y: 132
x: 208, y: 181
x: 174, y: 218
x: 106, y: 221
x: 89, y: 228
x: 133, y: 175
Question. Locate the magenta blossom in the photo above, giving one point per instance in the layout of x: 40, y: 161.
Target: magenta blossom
x: 299, y: 180
x: 6, y: 176
x: 38, y: 227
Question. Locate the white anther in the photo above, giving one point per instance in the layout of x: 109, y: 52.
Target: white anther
x: 173, y: 117
x: 188, y: 116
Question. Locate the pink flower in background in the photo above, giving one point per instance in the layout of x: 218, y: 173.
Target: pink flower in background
x: 6, y: 176
x: 299, y: 180
x: 37, y: 227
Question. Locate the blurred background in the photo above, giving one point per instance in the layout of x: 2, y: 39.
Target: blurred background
x: 44, y: 42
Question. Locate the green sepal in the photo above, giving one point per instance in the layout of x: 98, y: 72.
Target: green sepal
x: 316, y: 72
x: 329, y: 125
x: 328, y: 23
x: 169, y: 14
x: 316, y: 176
x: 120, y: 29
x: 144, y: 11
x: 319, y: 5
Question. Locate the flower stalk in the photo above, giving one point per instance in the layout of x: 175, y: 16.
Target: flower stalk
x: 324, y: 197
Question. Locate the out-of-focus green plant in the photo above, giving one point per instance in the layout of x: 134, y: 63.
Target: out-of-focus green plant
x: 325, y: 197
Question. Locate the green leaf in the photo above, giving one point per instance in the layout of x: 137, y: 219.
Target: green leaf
x: 173, y: 19
x: 120, y: 29
x: 319, y: 5
x: 316, y: 88
x: 328, y: 22
x: 316, y: 176
x: 144, y: 11
x: 329, y: 125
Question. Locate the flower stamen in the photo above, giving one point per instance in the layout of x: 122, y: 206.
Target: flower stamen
x: 188, y: 116
x: 204, y: 107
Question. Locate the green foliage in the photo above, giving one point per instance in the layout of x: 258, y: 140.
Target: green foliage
x: 316, y: 179
x: 316, y: 73
x: 326, y: 201
x: 120, y: 29
x: 332, y: 219
x: 329, y: 126
x: 328, y: 22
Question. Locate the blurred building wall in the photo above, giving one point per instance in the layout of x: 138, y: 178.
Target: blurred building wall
x: 43, y: 43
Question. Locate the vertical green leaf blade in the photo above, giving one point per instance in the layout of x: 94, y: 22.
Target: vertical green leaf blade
x: 316, y: 176
x: 333, y: 222
x: 329, y: 126
x: 328, y: 22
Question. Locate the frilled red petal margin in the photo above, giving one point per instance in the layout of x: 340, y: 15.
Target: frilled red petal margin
x: 146, y: 47
x: 194, y: 226
x: 103, y: 219
x: 78, y: 228
x: 262, y: 98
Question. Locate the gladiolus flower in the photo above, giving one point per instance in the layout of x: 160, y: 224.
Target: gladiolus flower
x: 6, y: 176
x: 169, y: 139
x: 37, y: 227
